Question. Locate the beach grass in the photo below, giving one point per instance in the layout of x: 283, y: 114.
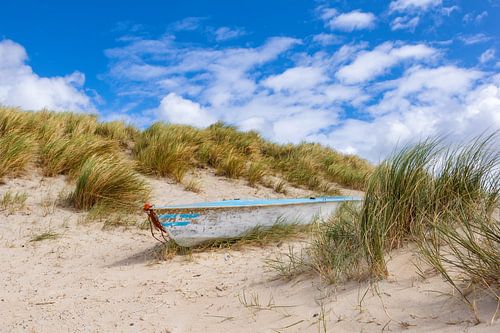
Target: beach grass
x: 444, y: 198
x: 109, y: 182
x: 16, y: 151
x: 62, y: 141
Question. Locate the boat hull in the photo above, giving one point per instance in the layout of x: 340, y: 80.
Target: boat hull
x: 200, y: 223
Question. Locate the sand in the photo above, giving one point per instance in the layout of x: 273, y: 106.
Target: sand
x: 92, y: 280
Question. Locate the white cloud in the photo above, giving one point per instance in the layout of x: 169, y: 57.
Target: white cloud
x: 176, y: 109
x: 20, y: 86
x: 474, y: 39
x: 424, y: 102
x: 412, y: 5
x: 355, y: 20
x: 187, y: 24
x: 402, y: 23
x: 297, y: 78
x: 481, y: 16
x: 487, y: 56
x: 370, y: 64
x: 318, y: 95
x: 327, y: 39
x: 225, y: 33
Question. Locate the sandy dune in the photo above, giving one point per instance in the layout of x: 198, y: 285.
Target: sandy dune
x: 93, y: 280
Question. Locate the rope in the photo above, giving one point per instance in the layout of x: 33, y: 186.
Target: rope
x: 154, y: 223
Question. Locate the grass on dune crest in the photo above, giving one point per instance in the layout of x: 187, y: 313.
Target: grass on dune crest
x: 166, y: 150
x: 63, y: 141
x: 65, y: 155
x: 108, y: 182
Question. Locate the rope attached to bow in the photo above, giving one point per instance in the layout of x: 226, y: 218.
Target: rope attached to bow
x: 154, y: 223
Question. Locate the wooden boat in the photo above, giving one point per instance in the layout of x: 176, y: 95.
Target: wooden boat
x: 193, y: 224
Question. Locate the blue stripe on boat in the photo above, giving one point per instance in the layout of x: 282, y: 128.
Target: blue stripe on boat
x: 261, y: 202
x: 182, y: 216
x: 167, y: 216
x: 175, y: 224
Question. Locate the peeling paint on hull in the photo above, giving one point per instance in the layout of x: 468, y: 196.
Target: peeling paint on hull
x: 190, y: 225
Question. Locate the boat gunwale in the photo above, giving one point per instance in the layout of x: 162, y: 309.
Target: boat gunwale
x: 195, y: 206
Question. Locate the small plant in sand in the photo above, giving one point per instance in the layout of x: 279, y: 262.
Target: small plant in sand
x: 280, y: 187
x: 47, y: 235
x: 106, y: 181
x: 193, y: 185
x: 13, y: 202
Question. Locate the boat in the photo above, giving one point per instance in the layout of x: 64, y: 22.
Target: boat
x: 193, y: 224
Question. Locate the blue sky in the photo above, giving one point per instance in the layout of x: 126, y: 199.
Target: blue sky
x: 360, y: 76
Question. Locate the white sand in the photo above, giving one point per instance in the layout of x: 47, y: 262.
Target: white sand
x: 94, y: 280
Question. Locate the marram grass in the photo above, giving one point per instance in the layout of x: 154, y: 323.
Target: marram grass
x: 16, y: 152
x: 64, y: 140
x: 444, y: 198
x: 106, y: 181
x: 427, y: 182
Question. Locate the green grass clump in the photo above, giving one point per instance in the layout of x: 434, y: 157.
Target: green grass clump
x: 256, y: 172
x: 47, y: 235
x: 12, y: 202
x: 444, y: 198
x: 335, y: 250
x: 16, y: 151
x: 117, y: 131
x: 166, y: 150
x: 108, y: 182
x: 258, y: 236
x: 232, y: 165
x: 427, y: 182
x: 468, y: 250
x: 65, y: 155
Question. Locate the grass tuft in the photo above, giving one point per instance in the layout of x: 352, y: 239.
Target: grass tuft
x: 193, y: 185
x: 13, y: 202
x: 45, y: 236
x: 231, y: 165
x: 256, y: 173
x: 16, y: 152
x: 108, y: 182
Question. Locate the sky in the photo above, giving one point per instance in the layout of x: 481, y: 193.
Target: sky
x: 360, y: 76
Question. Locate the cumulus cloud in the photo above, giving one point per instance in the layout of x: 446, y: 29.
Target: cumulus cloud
x: 187, y: 24
x: 402, y: 23
x: 225, y: 33
x: 327, y: 39
x: 327, y: 96
x: 176, y: 109
x: 487, y: 56
x: 370, y: 64
x: 297, y: 78
x: 413, y: 5
x: 20, y: 86
x: 355, y: 20
x: 424, y: 102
